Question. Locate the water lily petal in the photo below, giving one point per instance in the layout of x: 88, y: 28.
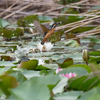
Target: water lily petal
x: 57, y: 70
x: 46, y: 47
x: 70, y: 75
x: 41, y: 62
x: 40, y: 46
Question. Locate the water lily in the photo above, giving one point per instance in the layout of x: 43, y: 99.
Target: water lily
x: 70, y: 75
x: 40, y: 46
x: 41, y: 62
x: 46, y: 47
x: 21, y: 52
x: 57, y: 70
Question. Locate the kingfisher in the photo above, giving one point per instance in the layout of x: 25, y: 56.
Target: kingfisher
x: 46, y: 30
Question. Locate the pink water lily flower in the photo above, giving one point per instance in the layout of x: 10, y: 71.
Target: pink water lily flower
x: 70, y: 75
x: 57, y: 70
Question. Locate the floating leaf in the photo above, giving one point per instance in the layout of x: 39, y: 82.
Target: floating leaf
x: 69, y: 19
x: 70, y: 95
x: 51, y: 66
x: 20, y: 77
x: 3, y: 23
x: 63, y: 63
x: 94, y: 40
x: 6, y: 58
x: 43, y: 18
x: 2, y: 70
x: 10, y: 33
x: 77, y: 70
x: 95, y: 97
x: 96, y: 46
x: 84, y: 83
x: 6, y: 64
x: 61, y: 19
x: 30, y: 73
x: 94, y: 60
x: 64, y: 10
x: 47, y: 72
x: 29, y: 65
x: 96, y: 7
x: 83, y: 66
x: 94, y: 67
x: 92, y: 94
x: 31, y: 90
x: 59, y: 88
x: 42, y: 67
x: 72, y: 43
x: 7, y: 82
x: 71, y: 36
x: 94, y: 53
x: 25, y: 21
x: 82, y: 29
x: 36, y: 87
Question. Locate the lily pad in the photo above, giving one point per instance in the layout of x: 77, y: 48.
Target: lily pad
x: 69, y: 95
x: 29, y: 65
x: 36, y: 87
x: 63, y: 63
x: 6, y: 83
x: 3, y: 23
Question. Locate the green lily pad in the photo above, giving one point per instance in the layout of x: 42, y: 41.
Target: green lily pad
x: 69, y: 95
x: 35, y: 88
x: 6, y: 64
x: 83, y: 66
x: 77, y: 70
x: 92, y: 94
x: 6, y: 83
x: 30, y: 73
x: 63, y: 63
x: 31, y: 90
x: 20, y: 77
x: 43, y: 18
x: 3, y: 23
x: 29, y: 65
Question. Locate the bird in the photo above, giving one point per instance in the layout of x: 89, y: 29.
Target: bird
x: 46, y: 30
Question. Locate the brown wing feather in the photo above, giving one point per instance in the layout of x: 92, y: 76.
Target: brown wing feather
x: 40, y: 28
x: 45, y: 30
